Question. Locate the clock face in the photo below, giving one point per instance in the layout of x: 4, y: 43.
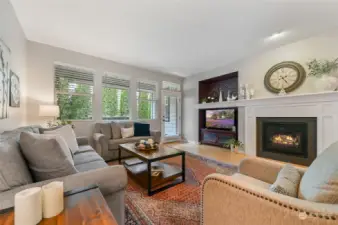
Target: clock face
x: 285, y: 75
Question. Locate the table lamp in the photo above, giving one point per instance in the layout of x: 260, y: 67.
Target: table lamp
x: 49, y: 111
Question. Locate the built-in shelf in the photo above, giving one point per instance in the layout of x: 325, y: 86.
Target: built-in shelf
x: 275, y: 100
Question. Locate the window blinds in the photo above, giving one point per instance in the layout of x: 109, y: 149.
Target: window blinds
x: 146, y: 86
x: 72, y: 80
x: 115, y: 82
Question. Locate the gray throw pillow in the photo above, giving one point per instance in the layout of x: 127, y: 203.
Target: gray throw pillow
x: 106, y: 130
x: 48, y: 155
x: 116, y: 130
x: 320, y: 181
x: 287, y: 181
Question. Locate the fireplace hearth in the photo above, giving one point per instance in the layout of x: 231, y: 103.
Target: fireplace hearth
x: 288, y: 139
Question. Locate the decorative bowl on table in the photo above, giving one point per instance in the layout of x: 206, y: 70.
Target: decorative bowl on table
x: 146, y: 145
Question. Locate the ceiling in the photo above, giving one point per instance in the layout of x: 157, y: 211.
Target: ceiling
x: 181, y: 37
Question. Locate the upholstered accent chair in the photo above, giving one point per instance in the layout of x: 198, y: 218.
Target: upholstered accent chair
x: 244, y: 199
x: 107, y: 138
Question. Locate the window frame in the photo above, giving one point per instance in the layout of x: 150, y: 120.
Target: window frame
x: 153, y: 101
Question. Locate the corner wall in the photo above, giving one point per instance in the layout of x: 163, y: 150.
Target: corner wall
x: 13, y: 36
x: 252, y: 71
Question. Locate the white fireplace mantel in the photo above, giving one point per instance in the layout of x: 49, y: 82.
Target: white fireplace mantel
x: 323, y: 106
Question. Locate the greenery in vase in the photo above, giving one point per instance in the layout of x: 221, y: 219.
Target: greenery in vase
x: 234, y: 142
x: 320, y: 67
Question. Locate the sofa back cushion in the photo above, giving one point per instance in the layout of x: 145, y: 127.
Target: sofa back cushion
x: 103, y: 128
x: 116, y: 128
x: 48, y: 155
x: 320, y: 181
x: 14, y: 171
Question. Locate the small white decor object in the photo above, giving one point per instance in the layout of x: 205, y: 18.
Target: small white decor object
x: 150, y: 141
x: 326, y: 83
x: 52, y: 199
x: 282, y: 92
x: 27, y: 207
x: 220, y: 96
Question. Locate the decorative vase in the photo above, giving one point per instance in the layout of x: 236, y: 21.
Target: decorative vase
x: 220, y: 96
x: 326, y: 83
x: 234, y: 148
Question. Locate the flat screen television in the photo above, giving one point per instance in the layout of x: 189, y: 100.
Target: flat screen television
x: 220, y: 119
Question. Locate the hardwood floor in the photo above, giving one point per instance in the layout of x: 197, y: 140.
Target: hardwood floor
x: 213, y: 152
x: 217, y: 153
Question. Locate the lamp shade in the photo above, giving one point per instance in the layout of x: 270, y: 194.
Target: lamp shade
x: 49, y: 110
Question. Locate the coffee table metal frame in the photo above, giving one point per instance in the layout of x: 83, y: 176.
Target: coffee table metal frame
x: 149, y: 161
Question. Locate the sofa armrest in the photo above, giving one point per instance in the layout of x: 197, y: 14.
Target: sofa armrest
x: 82, y: 140
x: 100, y: 143
x: 226, y: 200
x: 109, y: 179
x: 156, y: 134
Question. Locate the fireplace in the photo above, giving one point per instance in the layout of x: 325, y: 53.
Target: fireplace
x: 292, y: 140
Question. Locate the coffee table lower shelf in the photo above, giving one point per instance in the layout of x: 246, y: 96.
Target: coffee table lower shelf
x: 170, y: 176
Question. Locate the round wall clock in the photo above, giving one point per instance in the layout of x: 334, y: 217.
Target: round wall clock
x: 285, y: 75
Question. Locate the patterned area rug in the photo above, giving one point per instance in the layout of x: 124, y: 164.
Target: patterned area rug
x: 179, y: 205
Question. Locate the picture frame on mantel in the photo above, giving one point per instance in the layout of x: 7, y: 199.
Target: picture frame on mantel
x: 5, y: 53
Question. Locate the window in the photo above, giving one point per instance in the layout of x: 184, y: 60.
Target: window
x: 115, y: 98
x: 146, y: 100
x: 167, y: 109
x: 74, y: 93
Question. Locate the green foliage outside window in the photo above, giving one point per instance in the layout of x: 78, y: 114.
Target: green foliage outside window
x: 115, y: 103
x: 146, y: 105
x: 72, y: 106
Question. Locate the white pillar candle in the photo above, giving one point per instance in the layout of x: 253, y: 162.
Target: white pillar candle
x: 27, y: 207
x: 52, y: 199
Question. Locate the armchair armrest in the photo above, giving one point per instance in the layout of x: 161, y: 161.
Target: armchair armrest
x: 156, y: 134
x: 100, y: 143
x: 226, y: 200
x: 109, y: 179
x: 82, y: 140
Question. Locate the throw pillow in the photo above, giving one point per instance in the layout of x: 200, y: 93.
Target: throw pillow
x: 320, y: 181
x: 287, y: 181
x: 106, y: 130
x: 127, y: 132
x: 116, y: 130
x: 67, y: 133
x: 47, y: 155
x: 141, y: 129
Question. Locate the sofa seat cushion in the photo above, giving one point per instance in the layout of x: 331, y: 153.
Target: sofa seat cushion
x: 86, y: 157
x: 320, y: 181
x: 84, y: 148
x: 251, y: 180
x: 91, y: 166
x: 114, y: 143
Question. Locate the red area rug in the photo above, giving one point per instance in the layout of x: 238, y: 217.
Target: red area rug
x: 179, y: 205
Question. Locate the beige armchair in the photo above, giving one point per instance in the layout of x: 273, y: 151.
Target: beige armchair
x: 245, y: 199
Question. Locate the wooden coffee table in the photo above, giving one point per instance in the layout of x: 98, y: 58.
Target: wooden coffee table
x: 82, y: 206
x: 142, y: 173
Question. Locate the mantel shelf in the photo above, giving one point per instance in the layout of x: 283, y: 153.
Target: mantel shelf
x: 275, y: 100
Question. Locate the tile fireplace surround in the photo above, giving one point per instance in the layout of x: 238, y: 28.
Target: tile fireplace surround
x: 323, y: 106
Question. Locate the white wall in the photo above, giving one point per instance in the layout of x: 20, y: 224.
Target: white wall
x: 40, y: 83
x: 12, y: 34
x: 253, y: 69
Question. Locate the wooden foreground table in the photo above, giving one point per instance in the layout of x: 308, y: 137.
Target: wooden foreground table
x: 82, y: 207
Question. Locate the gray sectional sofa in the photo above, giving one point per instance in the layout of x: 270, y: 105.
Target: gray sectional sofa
x: 107, y: 137
x: 92, y: 169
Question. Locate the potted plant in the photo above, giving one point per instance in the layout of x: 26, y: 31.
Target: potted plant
x: 325, y: 72
x: 234, y: 144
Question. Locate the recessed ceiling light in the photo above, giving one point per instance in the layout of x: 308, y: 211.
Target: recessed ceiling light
x: 275, y: 36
